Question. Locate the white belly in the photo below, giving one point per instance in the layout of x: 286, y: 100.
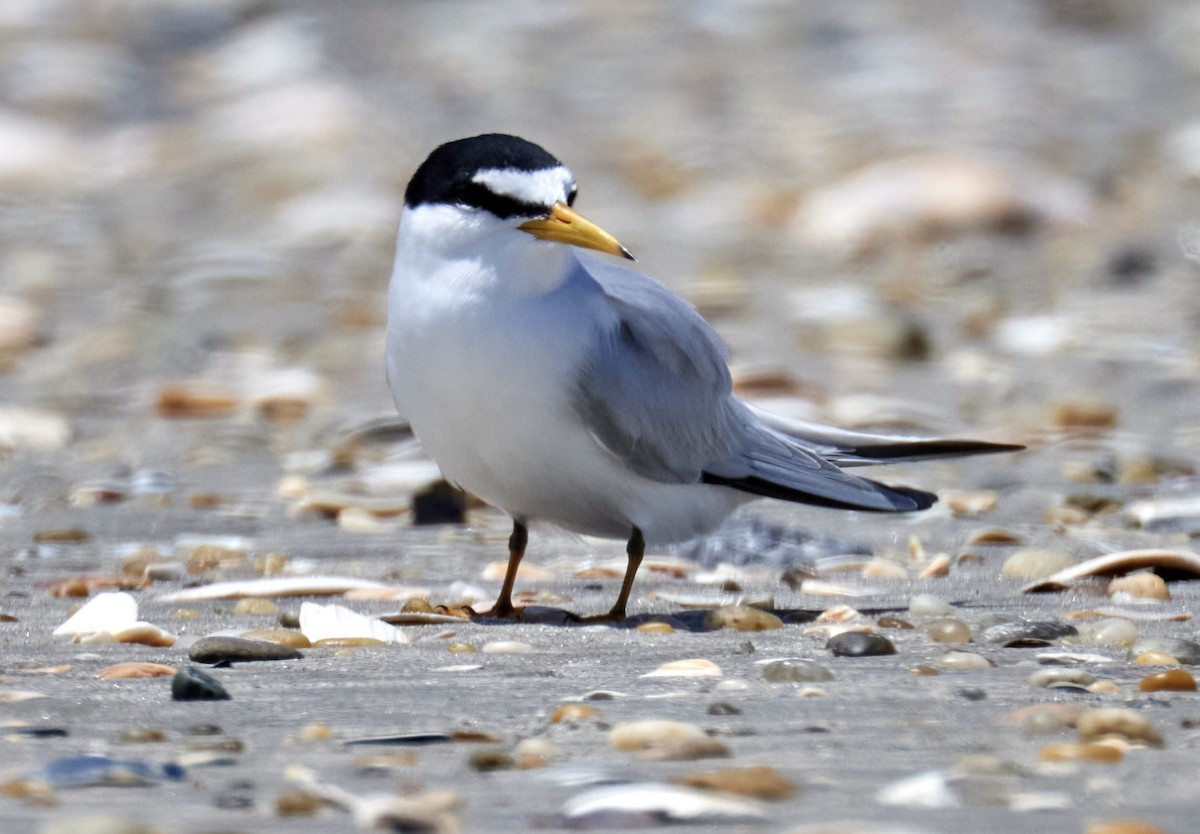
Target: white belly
x: 494, y: 410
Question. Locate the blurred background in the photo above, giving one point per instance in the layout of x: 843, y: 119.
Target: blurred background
x: 979, y: 217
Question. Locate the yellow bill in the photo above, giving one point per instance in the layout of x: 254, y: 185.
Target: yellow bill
x: 563, y: 225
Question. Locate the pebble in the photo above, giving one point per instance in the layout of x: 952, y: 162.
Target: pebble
x: 282, y: 636
x: 634, y: 736
x: 1102, y: 722
x: 693, y: 667
x: 1123, y: 826
x: 741, y: 618
x: 1172, y: 680
x: 536, y: 748
x: 251, y: 606
x: 948, y: 630
x: 1036, y: 564
x: 1154, y: 658
x: 1075, y: 752
x: 686, y: 750
x: 1182, y: 650
x: 893, y: 622
x: 191, y: 684
x: 1043, y: 630
x: 486, y: 761
x: 135, y: 669
x: 223, y: 649
x: 1110, y: 631
x: 572, y: 713
x: 859, y: 644
x: 506, y: 647
x: 795, y: 671
x: 1049, y: 677
x: 142, y: 735
x: 649, y: 804
x: 1140, y: 586
x: 292, y: 802
x: 965, y: 660
x: 760, y: 782
x: 928, y: 605
x: 91, y: 770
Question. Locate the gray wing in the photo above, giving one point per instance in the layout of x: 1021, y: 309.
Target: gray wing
x: 655, y: 391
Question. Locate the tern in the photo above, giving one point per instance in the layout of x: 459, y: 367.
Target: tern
x: 563, y: 387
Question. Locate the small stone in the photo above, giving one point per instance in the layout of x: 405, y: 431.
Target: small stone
x: 250, y: 606
x: 741, y: 618
x: 166, y: 571
x: 656, y: 627
x: 948, y: 630
x: 687, y: 750
x: 281, y: 636
x: 1110, y: 631
x: 135, y: 669
x: 692, y: 667
x: 1102, y: 722
x: 1084, y: 416
x: 221, y: 649
x: 965, y: 660
x: 461, y: 648
x: 893, y: 622
x: 136, y: 563
x: 1021, y: 630
x: 642, y: 735
x: 191, y: 684
x: 1183, y: 651
x: 723, y: 708
x: 315, y: 732
x: 1073, y: 752
x: 142, y: 735
x: 938, y: 566
x: 506, y: 647
x: 1140, y: 586
x: 1172, y: 680
x: 192, y: 399
x: 761, y: 782
x: 293, y: 802
x: 1153, y: 658
x: 572, y: 713
x: 536, y: 748
x: 486, y: 761
x: 1123, y: 826
x: 928, y: 605
x: 1050, y: 677
x: 795, y: 671
x: 1036, y: 564
x: 859, y: 644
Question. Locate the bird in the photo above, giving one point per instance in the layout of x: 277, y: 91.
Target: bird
x: 561, y: 386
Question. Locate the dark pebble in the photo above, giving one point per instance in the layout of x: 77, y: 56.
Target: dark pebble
x: 35, y: 732
x: 859, y: 644
x: 234, y: 802
x: 220, y: 649
x: 894, y: 622
x: 722, y: 708
x: 289, y: 619
x: 972, y: 693
x: 1028, y: 630
x: 439, y: 503
x: 190, y: 684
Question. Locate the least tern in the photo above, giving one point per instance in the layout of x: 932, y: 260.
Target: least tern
x: 560, y: 387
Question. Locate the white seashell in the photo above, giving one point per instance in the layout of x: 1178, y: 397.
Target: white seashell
x: 695, y: 667
x: 274, y: 586
x: 930, y: 789
x: 652, y: 803
x: 326, y: 622
x: 106, y: 613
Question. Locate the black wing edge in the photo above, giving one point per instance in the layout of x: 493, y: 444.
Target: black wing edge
x: 904, y: 499
x: 899, y: 450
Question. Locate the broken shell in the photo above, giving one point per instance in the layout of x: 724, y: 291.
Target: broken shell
x: 1168, y: 563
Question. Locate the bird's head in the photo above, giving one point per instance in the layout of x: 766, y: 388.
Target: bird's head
x: 495, y: 182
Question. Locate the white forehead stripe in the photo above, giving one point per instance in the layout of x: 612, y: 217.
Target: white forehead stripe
x: 539, y: 188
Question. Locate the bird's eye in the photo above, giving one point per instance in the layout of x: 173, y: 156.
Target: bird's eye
x: 571, y: 197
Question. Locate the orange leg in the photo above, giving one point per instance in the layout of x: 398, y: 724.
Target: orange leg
x: 635, y: 550
x: 516, y: 552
